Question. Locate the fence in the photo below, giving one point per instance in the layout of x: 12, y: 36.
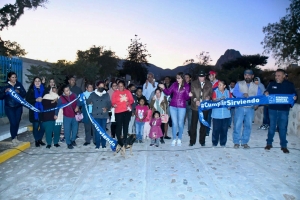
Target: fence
x: 7, y: 65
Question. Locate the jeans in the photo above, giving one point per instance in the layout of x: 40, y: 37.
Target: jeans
x: 242, y: 115
x: 220, y: 130
x: 189, y: 115
x: 131, y: 128
x: 50, y: 129
x: 38, y: 130
x: 266, y: 119
x: 177, y: 115
x: 232, y: 111
x: 14, y: 116
x: 279, y: 118
x: 70, y: 129
x: 139, y: 129
x: 208, y: 121
x: 99, y: 138
x: 122, y: 121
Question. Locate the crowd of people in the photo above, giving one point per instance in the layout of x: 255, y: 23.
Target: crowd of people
x: 148, y: 111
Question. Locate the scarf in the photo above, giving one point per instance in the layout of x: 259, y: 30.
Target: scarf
x: 51, y: 95
x: 38, y: 92
x: 100, y: 93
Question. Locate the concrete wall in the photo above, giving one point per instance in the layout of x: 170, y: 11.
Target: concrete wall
x: 294, y: 119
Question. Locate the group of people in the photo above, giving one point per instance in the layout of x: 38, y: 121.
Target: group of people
x: 147, y: 111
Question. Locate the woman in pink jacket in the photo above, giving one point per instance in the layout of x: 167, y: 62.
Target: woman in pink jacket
x: 180, y: 91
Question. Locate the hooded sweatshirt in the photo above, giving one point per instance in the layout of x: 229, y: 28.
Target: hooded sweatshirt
x: 260, y: 85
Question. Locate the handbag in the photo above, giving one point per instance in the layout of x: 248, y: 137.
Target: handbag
x: 78, y: 115
x: 164, y: 117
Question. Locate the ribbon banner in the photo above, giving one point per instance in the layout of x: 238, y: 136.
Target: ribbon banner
x: 247, y: 102
x: 22, y: 101
x: 111, y: 141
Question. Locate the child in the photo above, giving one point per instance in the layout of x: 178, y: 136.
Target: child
x: 147, y: 123
x: 155, y: 131
x: 220, y: 116
x: 140, y: 115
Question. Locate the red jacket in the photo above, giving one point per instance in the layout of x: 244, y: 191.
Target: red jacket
x: 120, y: 98
x: 69, y: 110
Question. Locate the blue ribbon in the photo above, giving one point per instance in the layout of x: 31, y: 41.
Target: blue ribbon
x: 250, y: 101
x: 111, y: 141
x: 22, y: 101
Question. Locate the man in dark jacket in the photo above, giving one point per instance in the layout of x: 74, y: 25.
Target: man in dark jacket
x: 72, y: 85
x: 279, y: 113
x: 201, y: 90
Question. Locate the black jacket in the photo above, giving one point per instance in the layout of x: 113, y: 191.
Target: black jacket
x: 9, y: 101
x: 286, y: 87
x: 31, y: 99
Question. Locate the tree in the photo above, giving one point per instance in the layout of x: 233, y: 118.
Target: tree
x: 36, y: 71
x: 136, y: 61
x: 10, y: 13
x: 97, y: 60
x: 203, y: 63
x: 8, y: 48
x: 246, y: 62
x: 282, y: 38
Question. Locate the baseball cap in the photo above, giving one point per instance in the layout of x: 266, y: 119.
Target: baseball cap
x: 248, y: 71
x: 201, y: 73
x: 212, y: 72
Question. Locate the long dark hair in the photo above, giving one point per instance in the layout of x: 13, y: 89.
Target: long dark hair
x: 181, y: 74
x: 32, y: 82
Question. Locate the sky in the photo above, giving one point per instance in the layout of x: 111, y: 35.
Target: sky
x: 174, y: 30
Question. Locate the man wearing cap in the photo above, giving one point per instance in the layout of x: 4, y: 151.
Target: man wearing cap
x: 244, y: 89
x: 279, y: 113
x: 201, y: 90
x: 215, y: 82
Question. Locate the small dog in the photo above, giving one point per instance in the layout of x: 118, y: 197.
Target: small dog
x: 129, y: 142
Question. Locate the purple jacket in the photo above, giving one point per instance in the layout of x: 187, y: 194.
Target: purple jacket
x: 179, y: 97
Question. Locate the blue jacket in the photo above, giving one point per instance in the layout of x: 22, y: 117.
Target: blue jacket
x: 9, y: 101
x: 221, y: 113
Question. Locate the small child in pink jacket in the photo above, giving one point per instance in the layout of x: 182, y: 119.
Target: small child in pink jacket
x: 155, y: 131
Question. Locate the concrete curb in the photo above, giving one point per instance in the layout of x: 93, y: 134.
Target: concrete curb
x: 13, y: 151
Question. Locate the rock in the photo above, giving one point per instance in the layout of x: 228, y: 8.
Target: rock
x: 230, y: 54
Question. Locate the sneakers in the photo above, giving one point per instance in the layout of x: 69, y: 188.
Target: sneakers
x: 70, y: 146
x: 104, y: 149
x: 97, y: 148
x: 236, y: 146
x: 48, y: 146
x: 18, y: 141
x: 246, y: 146
x: 14, y: 142
x: 173, y: 143
x: 74, y: 143
x: 151, y: 145
x: 264, y: 127
x: 156, y: 145
x: 56, y: 145
x: 86, y: 143
x: 285, y: 150
x: 179, y: 142
x: 268, y: 147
